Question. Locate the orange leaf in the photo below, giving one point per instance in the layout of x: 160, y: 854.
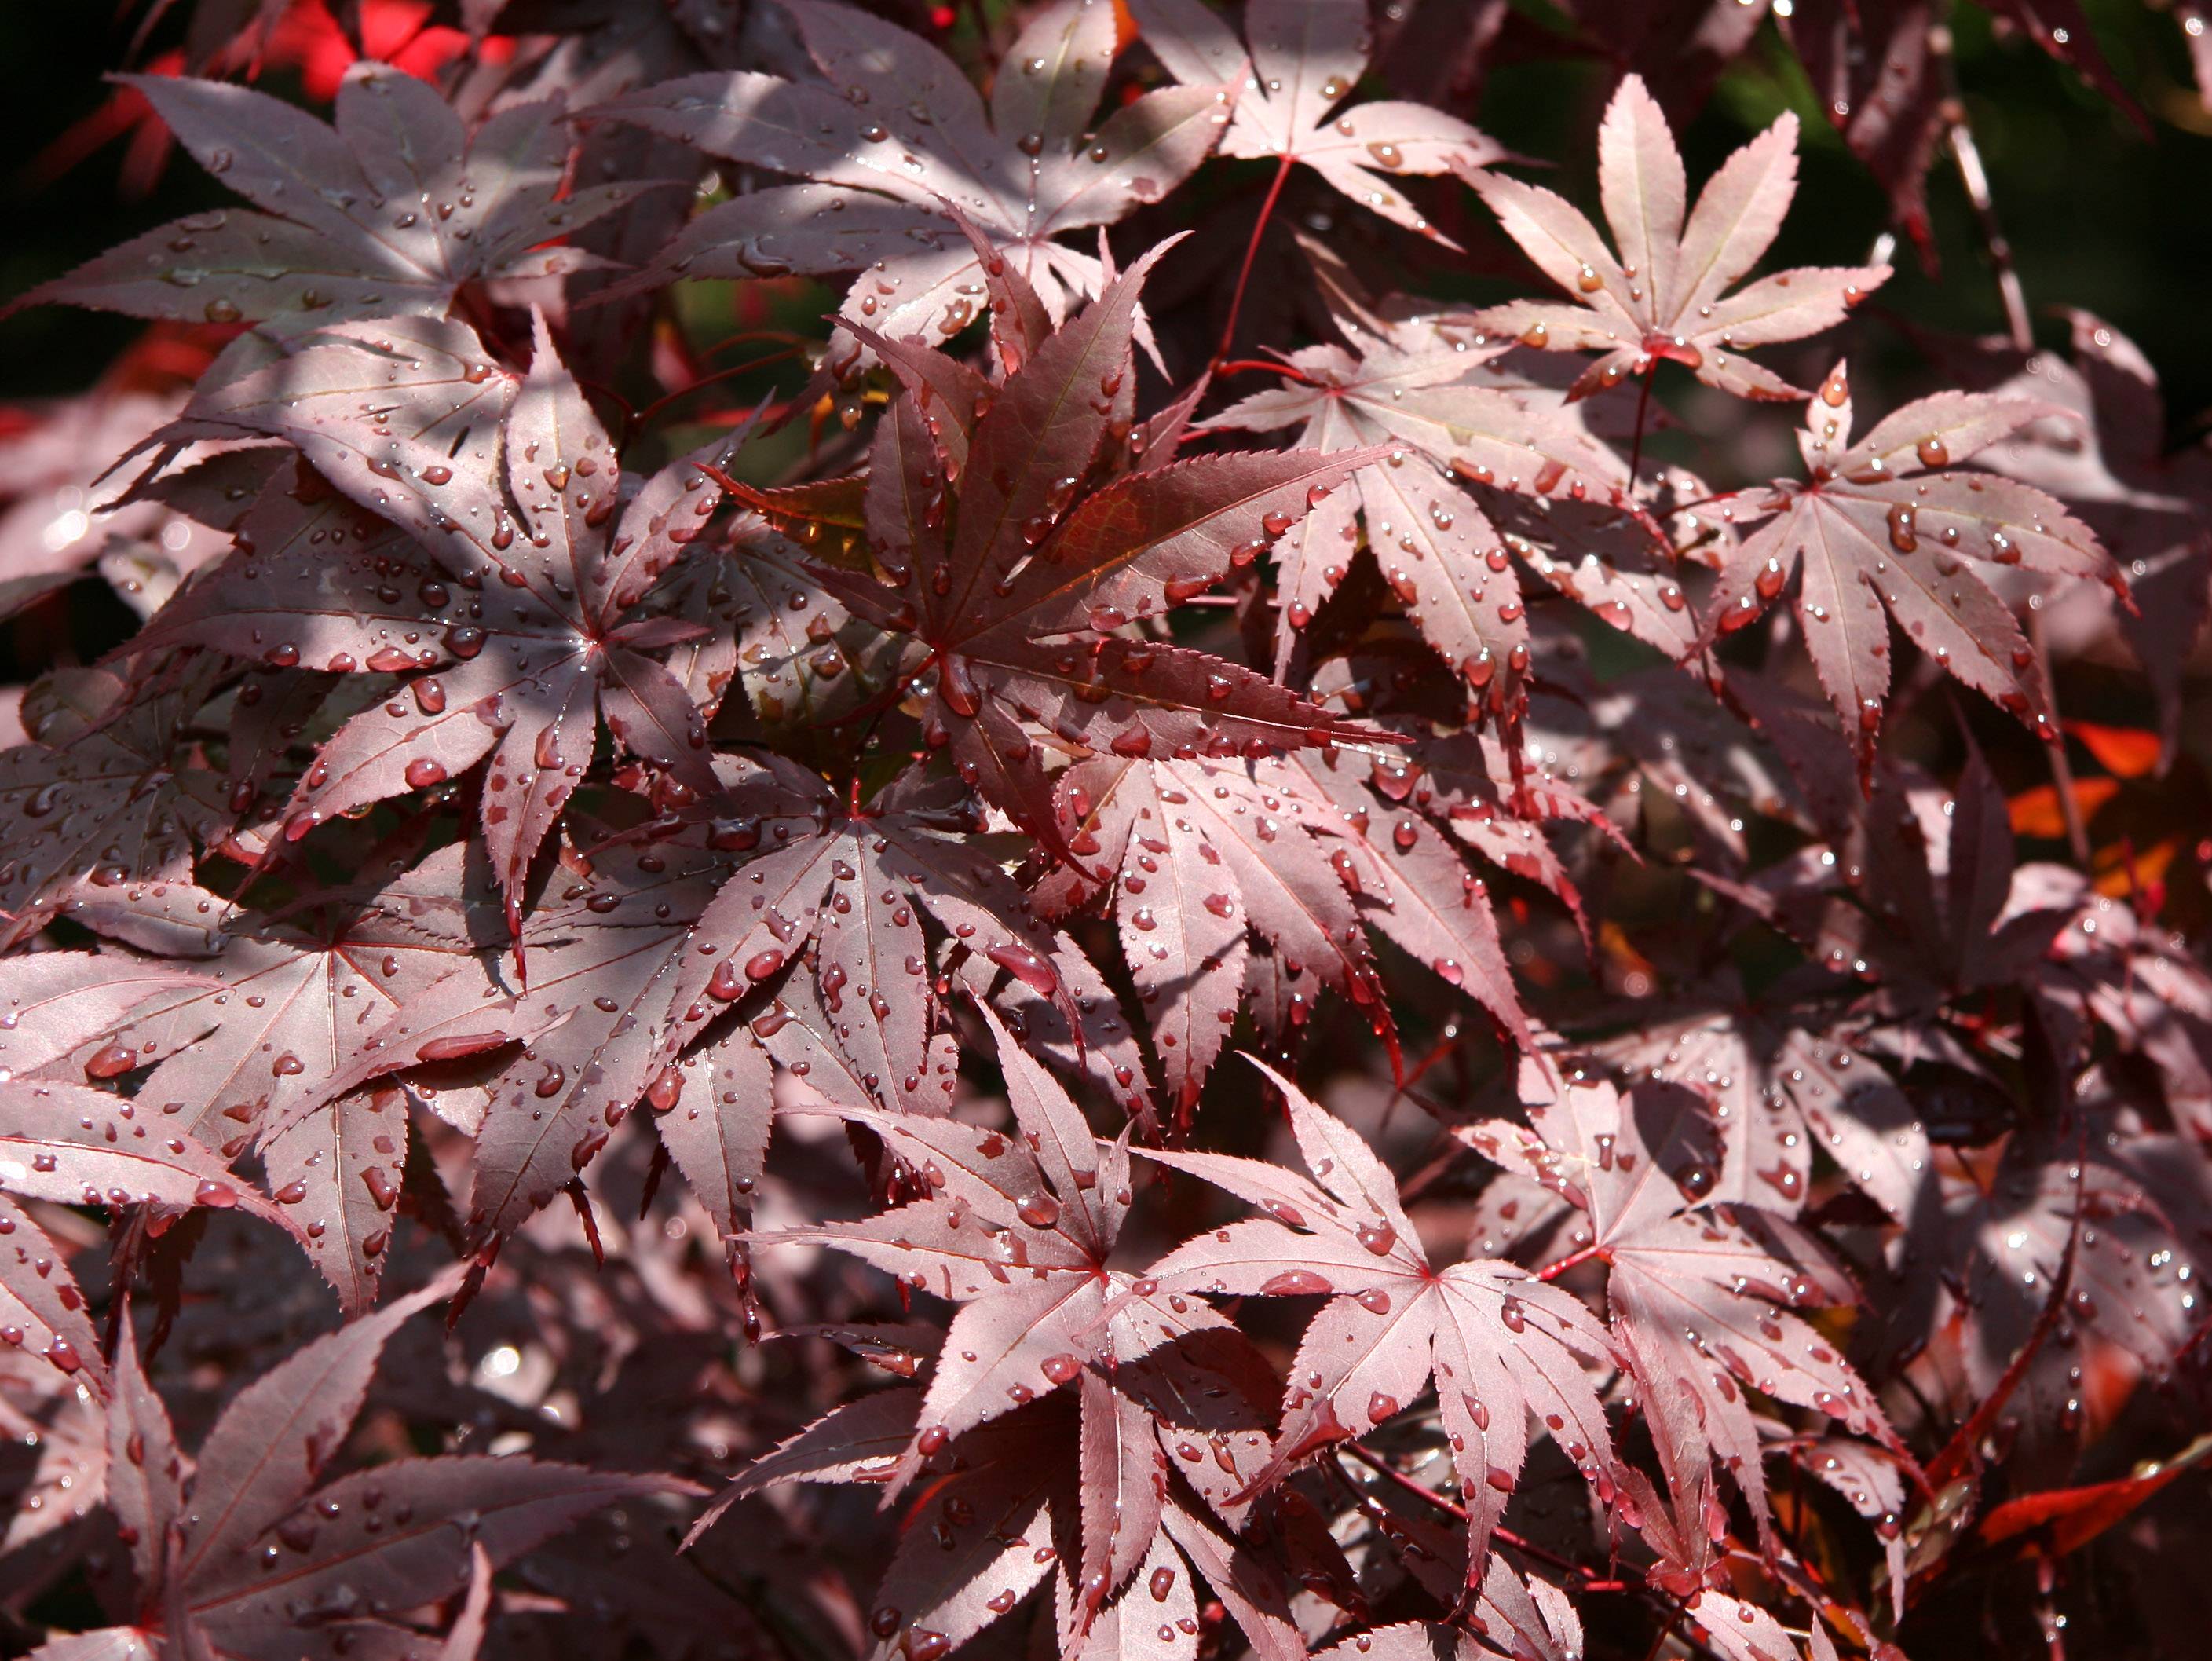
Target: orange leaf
x: 2116, y: 881
x: 2077, y: 1516
x: 2125, y: 752
x: 2036, y: 813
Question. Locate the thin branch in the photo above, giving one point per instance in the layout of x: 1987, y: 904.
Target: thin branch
x: 1257, y: 366
x: 1251, y: 253
x: 1642, y: 409
x: 1706, y: 501
x: 748, y: 337
x: 1976, y: 179
x: 2061, y: 765
x: 2018, y: 324
x: 1572, y: 1260
x: 644, y: 418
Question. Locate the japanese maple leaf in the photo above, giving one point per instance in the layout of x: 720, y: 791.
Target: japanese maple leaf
x: 1407, y: 811
x: 1688, y: 1546
x: 281, y: 1038
x: 1659, y: 734
x: 1077, y: 1490
x: 2150, y: 505
x: 280, y: 575
x: 382, y: 606
x: 55, y: 1466
x: 1549, y: 1630
x: 1665, y: 294
x: 600, y: 975
x: 108, y: 791
x: 63, y: 516
x: 1915, y: 888
x: 391, y: 215
x: 1529, y: 1617
x: 1500, y: 1343
x: 1883, y: 86
x: 1626, y: 568
x: 894, y: 142
x: 238, y: 1550
x: 1872, y: 1483
x: 77, y: 1145
x: 1880, y: 71
x: 1426, y: 394
x: 1305, y: 57
x: 937, y: 894
x: 1017, y: 1230
x: 2106, y: 967
x: 824, y: 924
x: 42, y: 1311
x: 1021, y: 592
x: 1307, y: 852
x: 53, y: 1002
x: 1885, y: 528
x: 1994, y: 1247
x: 1779, y: 1090
x: 514, y: 488
x: 279, y: 998
x: 1199, y: 852
x: 1699, y: 1294
x: 786, y: 643
x: 980, y: 1542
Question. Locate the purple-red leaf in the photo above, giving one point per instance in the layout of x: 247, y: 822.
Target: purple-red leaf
x: 1664, y: 294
